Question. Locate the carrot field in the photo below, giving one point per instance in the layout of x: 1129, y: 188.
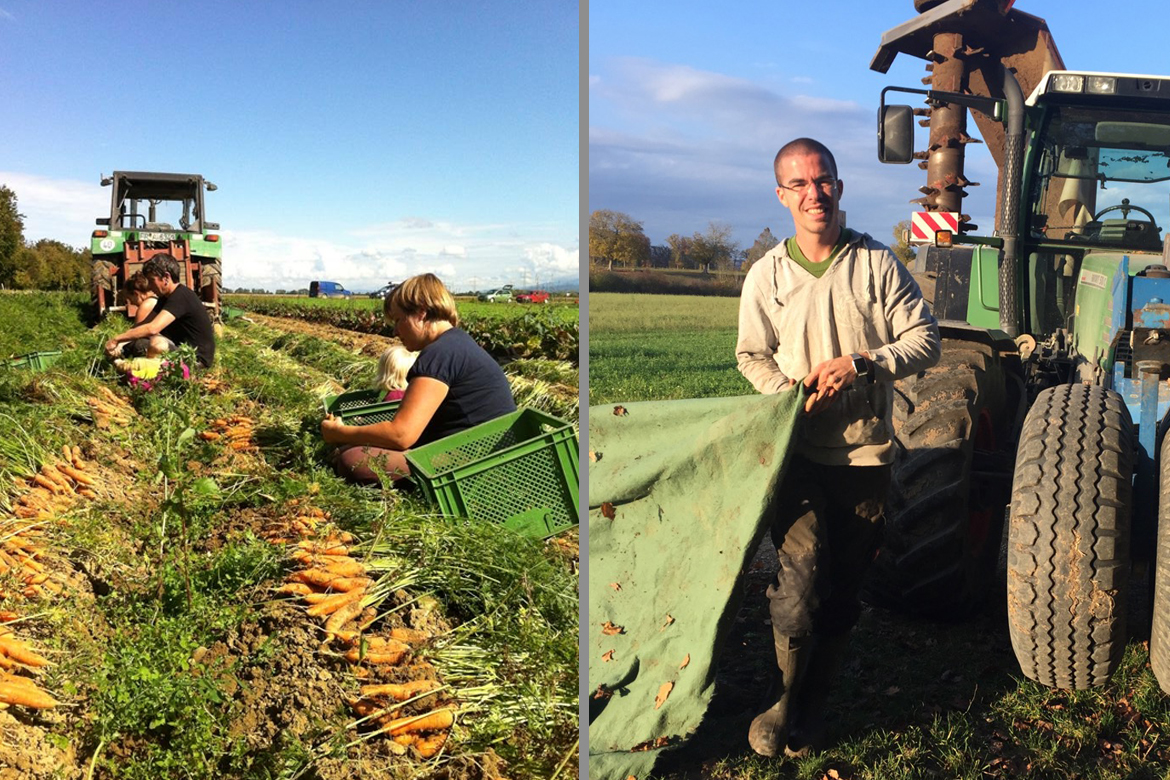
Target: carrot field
x: 187, y: 591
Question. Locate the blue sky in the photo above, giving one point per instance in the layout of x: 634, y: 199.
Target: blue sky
x: 358, y: 142
x: 689, y: 101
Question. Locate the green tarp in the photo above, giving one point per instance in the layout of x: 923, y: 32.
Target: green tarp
x: 678, y: 492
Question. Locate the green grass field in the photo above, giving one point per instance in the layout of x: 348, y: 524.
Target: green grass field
x: 916, y: 699
x: 659, y: 347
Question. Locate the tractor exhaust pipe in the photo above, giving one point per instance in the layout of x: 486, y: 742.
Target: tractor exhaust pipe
x: 1009, y: 212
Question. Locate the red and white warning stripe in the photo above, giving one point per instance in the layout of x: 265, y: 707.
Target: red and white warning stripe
x: 924, y: 224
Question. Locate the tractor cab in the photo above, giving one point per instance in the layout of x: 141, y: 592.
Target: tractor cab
x: 150, y: 214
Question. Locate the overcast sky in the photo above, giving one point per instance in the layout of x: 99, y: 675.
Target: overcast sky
x: 689, y: 101
x: 359, y: 142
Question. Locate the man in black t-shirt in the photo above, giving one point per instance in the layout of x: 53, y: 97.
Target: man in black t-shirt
x: 180, y: 318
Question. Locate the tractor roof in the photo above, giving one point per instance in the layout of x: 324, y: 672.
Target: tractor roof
x: 168, y: 186
x: 1097, y: 84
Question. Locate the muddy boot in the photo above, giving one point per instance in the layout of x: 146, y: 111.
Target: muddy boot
x: 808, y: 731
x: 769, y: 729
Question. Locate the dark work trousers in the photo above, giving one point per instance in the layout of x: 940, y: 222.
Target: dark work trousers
x: 827, y: 528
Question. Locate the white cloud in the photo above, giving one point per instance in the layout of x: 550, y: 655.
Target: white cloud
x: 682, y: 147
x: 463, y: 255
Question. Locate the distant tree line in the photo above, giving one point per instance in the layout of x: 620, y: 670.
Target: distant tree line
x: 37, y: 265
x: 617, y: 239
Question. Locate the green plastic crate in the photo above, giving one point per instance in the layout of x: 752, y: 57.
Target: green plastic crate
x: 361, y: 407
x: 519, y: 470
x: 36, y: 361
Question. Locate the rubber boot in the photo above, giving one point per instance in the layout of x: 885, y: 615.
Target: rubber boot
x: 769, y: 730
x: 808, y: 731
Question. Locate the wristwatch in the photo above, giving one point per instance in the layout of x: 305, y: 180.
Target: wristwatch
x: 861, y: 366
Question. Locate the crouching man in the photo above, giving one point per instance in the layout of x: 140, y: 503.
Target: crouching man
x: 180, y: 318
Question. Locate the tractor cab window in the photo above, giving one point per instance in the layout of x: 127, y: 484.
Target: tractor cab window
x: 1102, y: 179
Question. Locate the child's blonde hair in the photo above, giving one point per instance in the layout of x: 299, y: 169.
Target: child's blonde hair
x: 392, y: 368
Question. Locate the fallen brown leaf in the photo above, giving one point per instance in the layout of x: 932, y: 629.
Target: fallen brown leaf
x: 620, y: 411
x: 607, y: 511
x: 663, y: 692
x: 607, y: 656
x: 609, y: 629
x: 686, y: 662
x: 669, y: 620
x: 615, y: 585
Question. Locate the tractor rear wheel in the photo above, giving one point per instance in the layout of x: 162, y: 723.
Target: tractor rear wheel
x: 944, y: 516
x: 1068, y: 537
x: 1160, y: 629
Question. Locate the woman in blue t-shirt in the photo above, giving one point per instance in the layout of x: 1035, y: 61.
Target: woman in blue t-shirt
x: 453, y: 385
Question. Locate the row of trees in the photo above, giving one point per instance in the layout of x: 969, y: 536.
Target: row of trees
x: 39, y: 265
x: 616, y: 238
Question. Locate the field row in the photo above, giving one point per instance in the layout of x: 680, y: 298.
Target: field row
x: 221, y: 605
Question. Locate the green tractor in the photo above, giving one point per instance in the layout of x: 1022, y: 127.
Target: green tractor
x: 1051, y: 396
x: 152, y: 213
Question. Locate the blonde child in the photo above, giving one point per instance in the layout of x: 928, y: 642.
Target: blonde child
x: 392, y: 369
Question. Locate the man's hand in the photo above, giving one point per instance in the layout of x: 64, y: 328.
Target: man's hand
x: 112, y: 347
x: 829, y: 379
x: 331, y: 428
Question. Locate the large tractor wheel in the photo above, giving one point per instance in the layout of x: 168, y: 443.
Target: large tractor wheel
x: 1160, y: 629
x: 1068, y: 537
x: 944, y: 523
x: 102, y: 286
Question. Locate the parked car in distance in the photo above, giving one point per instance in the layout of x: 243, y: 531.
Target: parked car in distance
x: 496, y: 296
x: 534, y: 296
x: 328, y: 290
x: 382, y: 292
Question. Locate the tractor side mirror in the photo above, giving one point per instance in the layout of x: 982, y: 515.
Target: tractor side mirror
x: 895, y: 134
x: 103, y: 221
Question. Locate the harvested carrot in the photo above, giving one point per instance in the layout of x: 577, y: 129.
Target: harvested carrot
x: 406, y: 739
x: 24, y: 695
x: 317, y: 577
x: 400, y: 691
x: 428, y: 747
x: 347, y: 612
x: 297, y: 588
x: 346, y: 567
x: 323, y: 549
x: 239, y: 445
x: 87, y: 493
x: 209, y: 435
x: 76, y: 475
x: 409, y: 635
x: 431, y: 721
x: 18, y: 651
x: 365, y: 707
x: 76, y: 454
x: 387, y: 656
x: 47, y: 484
x: 332, y: 604
x: 348, y: 584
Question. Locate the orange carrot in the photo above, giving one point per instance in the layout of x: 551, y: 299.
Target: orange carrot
x: 365, y: 707
x: 18, y: 651
x: 431, y: 721
x: 76, y: 475
x: 388, y: 656
x: 347, y: 612
x: 427, y: 747
x: 46, y: 483
x: 323, y: 549
x: 332, y: 604
x: 400, y: 691
x: 25, y: 696
x: 344, y: 566
x: 409, y: 635
x: 316, y: 577
x: 348, y: 584
x: 209, y: 435
x: 297, y: 588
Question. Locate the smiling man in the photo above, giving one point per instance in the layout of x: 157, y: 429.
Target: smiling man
x: 832, y: 310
